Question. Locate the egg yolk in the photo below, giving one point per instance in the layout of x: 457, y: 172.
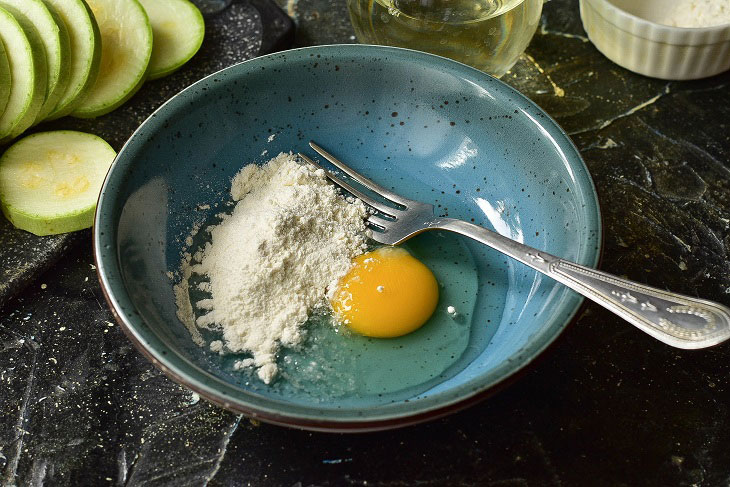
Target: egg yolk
x: 387, y: 293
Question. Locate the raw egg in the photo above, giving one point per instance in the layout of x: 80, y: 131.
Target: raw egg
x: 387, y: 293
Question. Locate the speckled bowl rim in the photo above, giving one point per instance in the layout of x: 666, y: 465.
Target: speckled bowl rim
x: 274, y: 411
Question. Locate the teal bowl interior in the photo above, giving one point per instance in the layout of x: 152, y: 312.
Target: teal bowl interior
x: 433, y: 130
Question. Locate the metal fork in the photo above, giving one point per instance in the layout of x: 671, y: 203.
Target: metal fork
x: 680, y: 321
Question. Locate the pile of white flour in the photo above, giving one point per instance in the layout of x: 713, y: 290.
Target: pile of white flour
x: 270, y: 263
x: 697, y: 13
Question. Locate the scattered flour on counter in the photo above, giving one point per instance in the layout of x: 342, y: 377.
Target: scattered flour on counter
x: 697, y: 13
x: 271, y: 262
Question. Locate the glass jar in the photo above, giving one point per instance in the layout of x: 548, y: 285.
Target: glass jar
x: 487, y: 34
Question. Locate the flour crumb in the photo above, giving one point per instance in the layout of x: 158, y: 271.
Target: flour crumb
x: 272, y: 261
x: 609, y: 143
x: 216, y: 346
x: 243, y: 364
x: 185, y: 311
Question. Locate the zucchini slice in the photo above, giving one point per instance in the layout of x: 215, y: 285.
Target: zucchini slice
x: 27, y: 77
x: 85, y: 52
x: 4, y: 79
x: 50, y: 181
x: 178, y: 29
x: 126, y: 47
x: 56, y: 48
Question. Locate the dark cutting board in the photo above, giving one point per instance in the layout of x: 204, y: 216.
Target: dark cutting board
x: 244, y: 30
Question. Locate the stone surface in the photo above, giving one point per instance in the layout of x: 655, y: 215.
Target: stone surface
x: 605, y: 405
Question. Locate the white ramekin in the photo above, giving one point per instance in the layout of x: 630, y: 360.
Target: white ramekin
x: 653, y: 49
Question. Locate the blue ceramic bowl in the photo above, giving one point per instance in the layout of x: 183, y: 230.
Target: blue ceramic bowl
x: 432, y: 129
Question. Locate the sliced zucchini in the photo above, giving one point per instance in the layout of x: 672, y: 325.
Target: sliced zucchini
x: 54, y: 39
x: 178, y: 29
x: 85, y: 42
x: 50, y: 181
x: 27, y: 77
x: 126, y: 47
x: 4, y: 78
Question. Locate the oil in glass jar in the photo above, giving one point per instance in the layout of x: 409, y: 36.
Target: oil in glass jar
x: 487, y: 34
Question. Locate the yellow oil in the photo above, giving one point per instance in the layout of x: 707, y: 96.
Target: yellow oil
x: 487, y: 34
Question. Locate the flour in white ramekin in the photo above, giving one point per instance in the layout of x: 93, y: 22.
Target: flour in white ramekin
x: 696, y: 13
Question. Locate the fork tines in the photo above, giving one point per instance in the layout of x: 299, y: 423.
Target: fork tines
x: 380, y: 207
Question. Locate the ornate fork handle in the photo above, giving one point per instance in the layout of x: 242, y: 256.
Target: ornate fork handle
x: 680, y: 321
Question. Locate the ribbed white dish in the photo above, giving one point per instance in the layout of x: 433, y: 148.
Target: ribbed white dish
x: 624, y: 32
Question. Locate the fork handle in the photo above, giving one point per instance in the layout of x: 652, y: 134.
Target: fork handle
x: 675, y: 319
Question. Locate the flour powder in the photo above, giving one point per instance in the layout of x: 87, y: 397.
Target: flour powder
x: 269, y: 264
x: 697, y: 13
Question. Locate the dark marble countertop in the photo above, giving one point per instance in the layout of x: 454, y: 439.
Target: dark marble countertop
x: 605, y: 405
